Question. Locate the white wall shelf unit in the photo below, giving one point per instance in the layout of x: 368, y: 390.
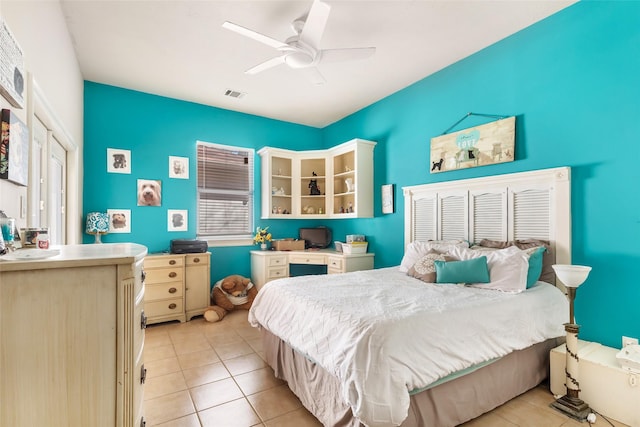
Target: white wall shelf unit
x: 343, y: 175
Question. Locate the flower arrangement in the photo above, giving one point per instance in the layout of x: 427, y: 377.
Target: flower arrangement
x: 262, y: 236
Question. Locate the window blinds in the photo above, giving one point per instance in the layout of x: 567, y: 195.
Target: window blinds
x: 225, y: 191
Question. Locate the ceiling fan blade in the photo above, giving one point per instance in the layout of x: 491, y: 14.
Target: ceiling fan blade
x: 273, y: 62
x: 313, y: 75
x: 254, y: 35
x: 348, y: 54
x: 315, y: 23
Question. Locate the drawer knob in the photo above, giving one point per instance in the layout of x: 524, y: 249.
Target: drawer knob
x: 173, y: 274
x: 172, y: 306
x: 172, y: 290
x: 196, y: 260
x: 172, y: 262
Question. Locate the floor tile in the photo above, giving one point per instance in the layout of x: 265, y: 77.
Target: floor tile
x: 229, y: 351
x: 197, y: 358
x: 156, y: 339
x: 256, y: 381
x: 159, y: 352
x: 243, y: 364
x: 164, y: 384
x: 237, y: 413
x: 156, y: 368
x: 523, y: 413
x: 205, y: 374
x: 298, y: 418
x: 274, y: 402
x: 222, y: 337
x: 191, y: 345
x: 168, y: 407
x: 216, y: 393
x: 188, y: 421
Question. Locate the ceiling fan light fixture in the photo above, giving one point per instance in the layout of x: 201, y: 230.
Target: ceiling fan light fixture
x: 299, y: 60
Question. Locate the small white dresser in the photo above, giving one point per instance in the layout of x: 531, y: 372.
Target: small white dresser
x: 177, y: 286
x: 72, y: 337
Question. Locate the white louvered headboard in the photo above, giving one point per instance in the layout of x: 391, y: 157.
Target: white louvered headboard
x: 517, y: 206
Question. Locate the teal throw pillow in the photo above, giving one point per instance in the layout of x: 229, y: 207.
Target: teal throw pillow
x: 474, y: 270
x: 535, y: 265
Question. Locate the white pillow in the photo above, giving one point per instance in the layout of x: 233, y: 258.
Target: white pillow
x: 508, y: 267
x: 416, y: 250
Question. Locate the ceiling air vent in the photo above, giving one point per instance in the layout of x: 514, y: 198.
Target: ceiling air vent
x: 234, y: 93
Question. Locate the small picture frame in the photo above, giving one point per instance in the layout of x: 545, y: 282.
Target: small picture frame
x: 387, y: 199
x: 177, y: 220
x: 149, y: 192
x: 118, y: 161
x: 119, y: 220
x: 178, y: 167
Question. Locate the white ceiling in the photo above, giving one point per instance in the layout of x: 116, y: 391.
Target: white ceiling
x: 179, y: 49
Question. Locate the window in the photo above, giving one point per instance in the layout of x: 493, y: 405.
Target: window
x: 225, y: 192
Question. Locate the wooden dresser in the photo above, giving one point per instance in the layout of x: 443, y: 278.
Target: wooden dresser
x: 72, y: 336
x: 177, y: 286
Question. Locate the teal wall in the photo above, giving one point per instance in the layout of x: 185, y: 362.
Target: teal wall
x: 571, y: 80
x: 154, y: 128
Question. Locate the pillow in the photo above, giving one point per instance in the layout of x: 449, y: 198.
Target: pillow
x: 416, y: 250
x: 535, y: 264
x: 468, y: 271
x: 424, y: 269
x: 508, y: 267
x: 548, y: 258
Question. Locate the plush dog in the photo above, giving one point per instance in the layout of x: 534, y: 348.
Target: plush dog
x: 231, y: 293
x: 149, y: 192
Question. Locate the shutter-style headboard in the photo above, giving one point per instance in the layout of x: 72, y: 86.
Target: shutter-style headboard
x: 517, y: 206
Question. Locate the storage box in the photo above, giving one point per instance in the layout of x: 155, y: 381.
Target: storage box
x: 288, y: 245
x: 355, y: 248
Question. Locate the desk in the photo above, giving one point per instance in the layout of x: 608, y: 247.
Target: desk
x: 270, y: 265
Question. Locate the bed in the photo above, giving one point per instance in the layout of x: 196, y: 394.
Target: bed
x: 383, y: 348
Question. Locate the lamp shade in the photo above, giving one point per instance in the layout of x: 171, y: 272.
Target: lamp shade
x: 571, y: 276
x: 97, y: 223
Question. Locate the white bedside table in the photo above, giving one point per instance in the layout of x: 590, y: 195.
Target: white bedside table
x: 604, y: 385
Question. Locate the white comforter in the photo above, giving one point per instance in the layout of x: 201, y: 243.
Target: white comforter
x: 383, y: 333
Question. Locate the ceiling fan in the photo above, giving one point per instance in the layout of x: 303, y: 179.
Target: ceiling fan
x: 302, y: 50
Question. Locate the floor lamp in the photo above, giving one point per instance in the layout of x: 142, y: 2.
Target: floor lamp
x: 570, y: 404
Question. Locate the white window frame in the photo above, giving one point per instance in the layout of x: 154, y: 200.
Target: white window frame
x: 240, y: 239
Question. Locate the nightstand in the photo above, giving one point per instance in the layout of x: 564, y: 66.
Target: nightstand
x: 604, y: 385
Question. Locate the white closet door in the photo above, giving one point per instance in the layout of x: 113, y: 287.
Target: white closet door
x: 57, y: 189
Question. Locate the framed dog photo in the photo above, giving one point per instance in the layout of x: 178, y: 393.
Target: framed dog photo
x: 149, y: 192
x: 118, y: 161
x: 119, y: 220
x: 177, y: 220
x: 178, y: 167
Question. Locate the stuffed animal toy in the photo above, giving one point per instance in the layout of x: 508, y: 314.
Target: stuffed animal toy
x: 231, y: 293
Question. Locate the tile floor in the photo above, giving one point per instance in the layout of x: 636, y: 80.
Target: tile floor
x: 202, y: 374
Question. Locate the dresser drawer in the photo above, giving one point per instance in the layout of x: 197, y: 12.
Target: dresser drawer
x: 307, y: 259
x: 276, y: 261
x: 197, y: 259
x: 158, y: 291
x: 163, y: 261
x: 162, y: 275
x: 276, y: 273
x: 168, y: 307
x: 334, y: 263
